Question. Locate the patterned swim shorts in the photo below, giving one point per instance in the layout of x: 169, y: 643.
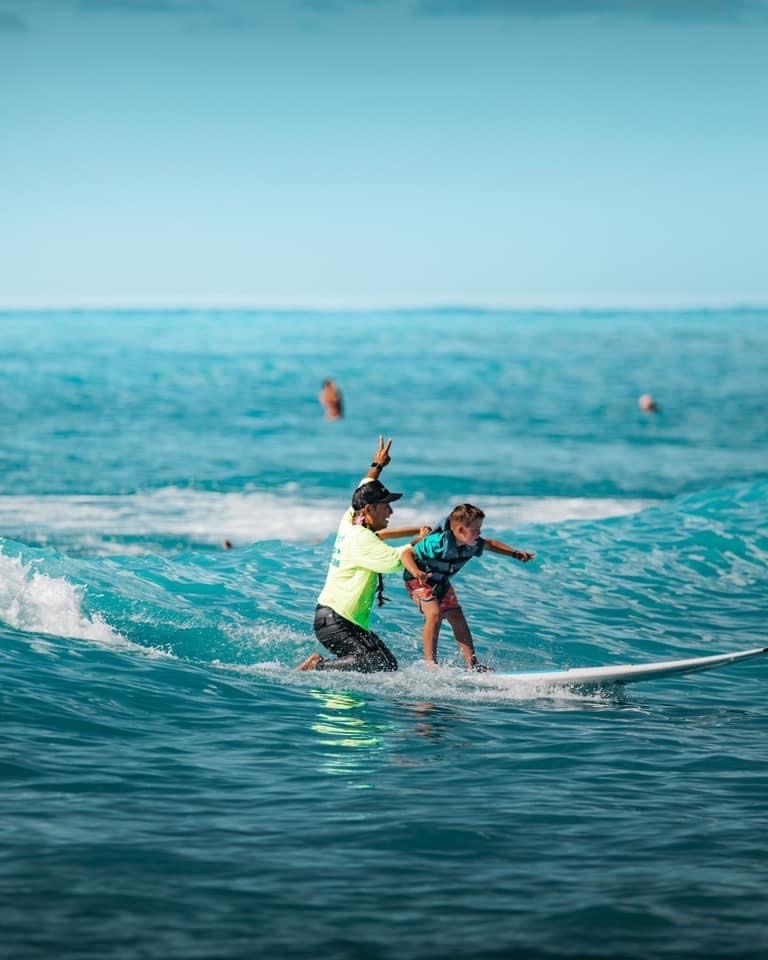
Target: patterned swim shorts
x: 424, y: 594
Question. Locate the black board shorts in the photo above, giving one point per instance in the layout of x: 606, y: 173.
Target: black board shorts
x: 353, y: 647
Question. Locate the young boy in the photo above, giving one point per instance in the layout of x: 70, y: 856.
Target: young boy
x: 442, y: 554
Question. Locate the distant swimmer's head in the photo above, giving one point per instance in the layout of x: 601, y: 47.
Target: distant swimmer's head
x: 647, y: 404
x: 371, y: 493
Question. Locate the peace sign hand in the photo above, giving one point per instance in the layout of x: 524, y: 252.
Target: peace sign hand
x: 382, y: 454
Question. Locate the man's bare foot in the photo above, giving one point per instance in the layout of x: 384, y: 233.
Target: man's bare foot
x: 311, y: 662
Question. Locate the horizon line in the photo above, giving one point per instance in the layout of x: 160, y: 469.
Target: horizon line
x: 180, y: 306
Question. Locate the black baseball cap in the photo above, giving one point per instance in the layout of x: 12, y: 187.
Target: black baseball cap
x: 372, y: 492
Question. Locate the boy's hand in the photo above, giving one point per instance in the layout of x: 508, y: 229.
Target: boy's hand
x: 523, y: 555
x: 382, y: 453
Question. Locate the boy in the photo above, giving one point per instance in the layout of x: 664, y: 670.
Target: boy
x: 442, y: 554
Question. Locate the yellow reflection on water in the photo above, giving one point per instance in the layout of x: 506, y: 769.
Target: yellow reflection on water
x: 343, y: 727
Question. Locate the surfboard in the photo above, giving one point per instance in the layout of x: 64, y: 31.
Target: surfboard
x: 625, y: 672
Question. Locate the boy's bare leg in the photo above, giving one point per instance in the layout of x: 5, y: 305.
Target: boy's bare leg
x: 431, y: 631
x: 463, y: 636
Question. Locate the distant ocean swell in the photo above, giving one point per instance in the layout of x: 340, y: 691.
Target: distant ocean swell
x: 173, y: 519
x: 688, y: 571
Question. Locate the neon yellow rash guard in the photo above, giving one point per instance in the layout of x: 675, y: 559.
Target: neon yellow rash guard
x: 358, y: 556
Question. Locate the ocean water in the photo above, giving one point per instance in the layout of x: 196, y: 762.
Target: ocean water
x: 173, y: 788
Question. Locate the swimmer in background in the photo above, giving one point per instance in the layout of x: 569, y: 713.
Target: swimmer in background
x: 331, y: 400
x: 647, y: 404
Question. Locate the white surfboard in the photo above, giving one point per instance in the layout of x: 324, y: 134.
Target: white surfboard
x: 626, y: 672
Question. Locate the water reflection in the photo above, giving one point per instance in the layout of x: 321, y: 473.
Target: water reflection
x: 351, y: 742
x: 432, y: 721
x: 344, y: 728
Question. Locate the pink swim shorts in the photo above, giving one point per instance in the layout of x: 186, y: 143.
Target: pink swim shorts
x: 424, y: 595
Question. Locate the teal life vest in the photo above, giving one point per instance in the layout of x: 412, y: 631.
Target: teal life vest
x: 442, y: 556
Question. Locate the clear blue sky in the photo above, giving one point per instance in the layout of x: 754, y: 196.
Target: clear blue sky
x: 400, y: 152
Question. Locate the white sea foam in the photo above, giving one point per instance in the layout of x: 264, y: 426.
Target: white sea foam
x: 204, y: 517
x: 425, y: 689
x: 191, y: 515
x: 513, y: 511
x: 32, y: 602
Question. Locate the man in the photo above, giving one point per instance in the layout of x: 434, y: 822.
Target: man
x: 360, y: 558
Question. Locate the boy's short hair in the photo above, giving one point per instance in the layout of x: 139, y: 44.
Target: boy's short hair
x: 465, y: 514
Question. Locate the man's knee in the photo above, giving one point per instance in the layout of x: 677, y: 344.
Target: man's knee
x: 381, y: 661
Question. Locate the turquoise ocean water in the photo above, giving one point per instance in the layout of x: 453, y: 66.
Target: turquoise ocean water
x: 171, y: 787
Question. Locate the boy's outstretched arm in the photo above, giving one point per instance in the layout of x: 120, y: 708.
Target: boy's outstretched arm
x: 496, y: 546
